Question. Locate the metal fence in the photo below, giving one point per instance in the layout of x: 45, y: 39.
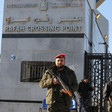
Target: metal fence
x: 98, y: 67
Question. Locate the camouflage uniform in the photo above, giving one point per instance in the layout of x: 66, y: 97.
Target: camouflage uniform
x: 107, y: 92
x: 57, y: 101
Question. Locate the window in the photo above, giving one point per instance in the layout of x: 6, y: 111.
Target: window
x: 32, y: 71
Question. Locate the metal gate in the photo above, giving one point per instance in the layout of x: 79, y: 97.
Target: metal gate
x: 98, y: 68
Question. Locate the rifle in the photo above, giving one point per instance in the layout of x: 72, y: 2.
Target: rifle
x: 66, y: 88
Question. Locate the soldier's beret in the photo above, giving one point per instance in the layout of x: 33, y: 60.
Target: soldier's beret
x: 60, y: 56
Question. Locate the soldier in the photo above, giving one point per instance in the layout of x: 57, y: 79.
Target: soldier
x: 84, y: 93
x: 57, y: 99
x: 107, y: 94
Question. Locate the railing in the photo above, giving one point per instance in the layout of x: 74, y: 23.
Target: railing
x: 98, y: 68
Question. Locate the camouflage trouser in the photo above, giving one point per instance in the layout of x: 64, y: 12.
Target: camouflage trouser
x: 56, y: 108
x: 84, y: 105
x: 107, y: 106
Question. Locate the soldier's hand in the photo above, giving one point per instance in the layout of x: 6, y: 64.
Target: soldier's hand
x: 55, y: 81
x: 109, y: 99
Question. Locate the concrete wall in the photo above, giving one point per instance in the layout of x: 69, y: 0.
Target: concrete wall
x: 92, y: 3
x: 97, y: 38
x: 103, y: 25
x: 94, y: 44
x: 19, y: 107
x: 31, y: 17
x: 95, y: 31
x: 40, y: 48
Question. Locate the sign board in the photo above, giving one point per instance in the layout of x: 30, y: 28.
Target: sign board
x: 43, y: 16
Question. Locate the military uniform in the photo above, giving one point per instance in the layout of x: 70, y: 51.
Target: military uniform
x: 56, y: 100
x: 84, y: 93
x: 107, y: 92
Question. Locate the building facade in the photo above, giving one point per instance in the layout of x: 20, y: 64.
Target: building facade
x: 34, y: 32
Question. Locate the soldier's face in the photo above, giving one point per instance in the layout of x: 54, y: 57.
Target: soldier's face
x: 60, y: 62
x: 85, y: 80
